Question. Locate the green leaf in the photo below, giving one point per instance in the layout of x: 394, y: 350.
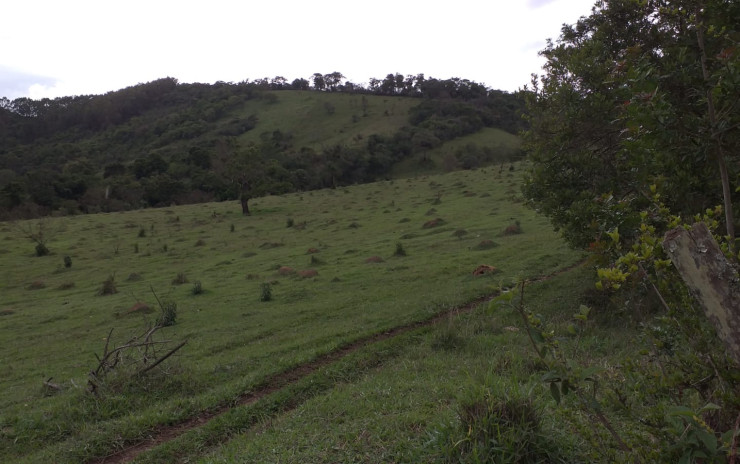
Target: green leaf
x: 710, y: 407
x: 555, y: 392
x: 551, y: 376
x: 537, y: 335
x: 589, y: 373
x: 564, y: 387
x: 708, y: 440
x: 680, y: 411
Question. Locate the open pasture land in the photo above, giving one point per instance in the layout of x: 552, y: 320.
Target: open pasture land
x: 337, y: 266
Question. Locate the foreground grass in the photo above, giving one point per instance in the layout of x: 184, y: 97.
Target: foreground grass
x: 403, y: 400
x: 54, y: 320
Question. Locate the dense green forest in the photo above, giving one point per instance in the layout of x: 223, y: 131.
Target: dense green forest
x: 166, y: 142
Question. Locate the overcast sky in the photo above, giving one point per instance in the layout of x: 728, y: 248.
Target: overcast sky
x: 52, y: 48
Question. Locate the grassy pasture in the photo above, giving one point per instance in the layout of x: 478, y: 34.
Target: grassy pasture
x: 322, y: 119
x: 54, y: 321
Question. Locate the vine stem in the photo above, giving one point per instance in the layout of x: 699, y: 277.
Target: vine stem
x: 598, y: 414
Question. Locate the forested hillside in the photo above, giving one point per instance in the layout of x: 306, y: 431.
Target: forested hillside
x: 166, y: 142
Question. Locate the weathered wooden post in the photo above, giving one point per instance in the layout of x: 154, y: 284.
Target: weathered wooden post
x: 710, y: 277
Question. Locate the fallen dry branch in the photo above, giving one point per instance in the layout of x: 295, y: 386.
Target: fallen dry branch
x: 140, y: 351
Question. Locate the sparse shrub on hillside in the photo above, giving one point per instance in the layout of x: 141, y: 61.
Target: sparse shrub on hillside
x: 41, y: 250
x: 180, y: 279
x: 200, y: 242
x: 67, y: 261
x: 289, y: 222
x: 39, y: 232
x: 168, y: 316
x: 448, y: 339
x: 136, y: 248
x: 6, y: 312
x: 142, y: 232
x: 265, y: 291
x: 404, y: 220
x: 231, y: 228
x: 66, y: 286
x: 316, y: 261
x: 109, y: 286
x: 197, y: 288
x: 354, y: 225
x: 502, y: 427
x: 400, y: 250
x: 134, y: 277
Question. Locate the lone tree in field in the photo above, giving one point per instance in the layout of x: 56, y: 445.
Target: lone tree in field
x: 39, y: 232
x: 251, y: 176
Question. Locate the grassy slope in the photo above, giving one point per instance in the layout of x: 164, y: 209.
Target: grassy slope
x: 235, y: 341
x: 403, y: 410
x: 304, y: 115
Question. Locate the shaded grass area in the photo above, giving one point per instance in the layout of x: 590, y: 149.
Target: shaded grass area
x: 235, y: 341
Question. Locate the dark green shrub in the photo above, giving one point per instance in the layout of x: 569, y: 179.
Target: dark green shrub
x: 180, y: 279
x: 67, y: 261
x: 41, y: 250
x: 400, y: 250
x: 289, y: 222
x: 197, y: 288
x: 169, y: 314
x: 142, y: 232
x: 500, y: 427
x: 109, y: 286
x: 265, y: 291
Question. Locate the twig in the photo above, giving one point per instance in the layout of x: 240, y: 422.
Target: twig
x: 733, y: 448
x: 162, y: 358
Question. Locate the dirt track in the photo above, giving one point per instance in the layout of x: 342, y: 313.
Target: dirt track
x: 276, y: 382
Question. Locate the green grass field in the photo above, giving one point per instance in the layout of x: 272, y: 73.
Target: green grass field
x: 323, y: 119
x: 385, y: 399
